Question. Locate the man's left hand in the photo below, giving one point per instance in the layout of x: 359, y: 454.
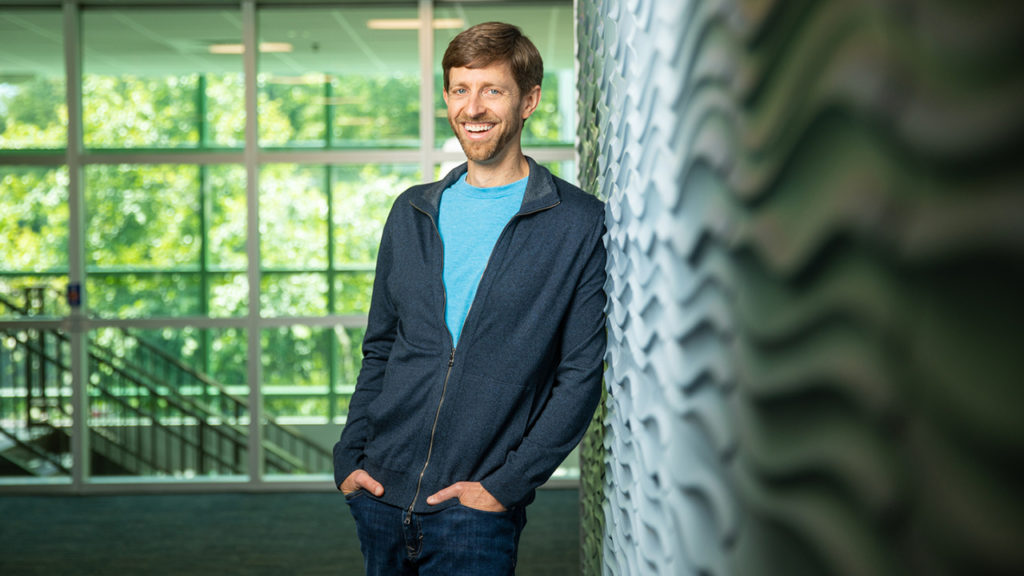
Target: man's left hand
x: 470, y: 494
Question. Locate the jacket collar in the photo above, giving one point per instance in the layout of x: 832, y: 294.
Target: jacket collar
x: 541, y: 192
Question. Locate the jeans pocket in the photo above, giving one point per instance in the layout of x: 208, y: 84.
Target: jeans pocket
x: 498, y: 513
x: 351, y: 496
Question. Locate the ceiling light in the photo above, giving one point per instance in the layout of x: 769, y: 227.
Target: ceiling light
x: 413, y: 23
x: 240, y: 48
x: 305, y: 79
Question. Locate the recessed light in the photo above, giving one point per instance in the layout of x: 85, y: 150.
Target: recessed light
x: 240, y: 48
x: 413, y: 23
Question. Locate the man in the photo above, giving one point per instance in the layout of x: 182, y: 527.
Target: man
x: 483, y: 349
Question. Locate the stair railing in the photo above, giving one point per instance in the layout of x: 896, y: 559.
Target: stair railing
x: 153, y: 388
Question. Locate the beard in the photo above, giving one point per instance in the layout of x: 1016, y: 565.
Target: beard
x: 486, y: 150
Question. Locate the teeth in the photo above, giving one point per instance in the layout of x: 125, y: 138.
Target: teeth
x: 478, y: 127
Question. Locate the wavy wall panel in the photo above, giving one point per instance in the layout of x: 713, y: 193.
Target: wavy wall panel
x: 816, y: 281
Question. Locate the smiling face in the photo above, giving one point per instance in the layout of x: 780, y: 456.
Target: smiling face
x: 486, y: 111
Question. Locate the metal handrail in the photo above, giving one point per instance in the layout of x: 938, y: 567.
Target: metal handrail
x: 120, y: 399
x: 205, y: 380
x: 35, y: 450
x: 169, y: 390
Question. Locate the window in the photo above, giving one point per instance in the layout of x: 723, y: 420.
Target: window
x: 329, y: 80
x: 33, y: 114
x: 218, y: 280
x: 172, y: 89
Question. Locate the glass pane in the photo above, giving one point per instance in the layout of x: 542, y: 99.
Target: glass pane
x: 229, y: 295
x: 144, y: 243
x: 143, y: 295
x: 225, y: 193
x: 293, y: 217
x: 349, y: 347
x: 142, y: 216
x: 284, y: 294
x: 34, y: 219
x: 308, y: 373
x: 565, y: 169
x: 33, y: 295
x: 146, y: 253
x: 352, y: 292
x: 329, y: 79
x: 170, y: 402
x: 34, y: 241
x: 33, y: 114
x: 162, y: 78
x: 550, y: 28
x: 224, y: 101
x: 35, y: 405
x: 362, y: 197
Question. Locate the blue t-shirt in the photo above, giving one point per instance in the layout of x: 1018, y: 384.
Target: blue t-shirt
x: 470, y: 221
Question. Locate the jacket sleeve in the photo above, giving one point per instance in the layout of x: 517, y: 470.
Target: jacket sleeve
x: 381, y: 327
x: 576, y: 391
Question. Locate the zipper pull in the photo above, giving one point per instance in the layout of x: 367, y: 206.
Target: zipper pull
x: 451, y: 358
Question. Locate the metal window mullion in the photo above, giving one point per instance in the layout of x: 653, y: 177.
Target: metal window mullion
x: 252, y: 240
x: 332, y: 301
x: 426, y: 50
x: 78, y: 322
x: 328, y: 113
x: 205, y: 217
x: 201, y: 103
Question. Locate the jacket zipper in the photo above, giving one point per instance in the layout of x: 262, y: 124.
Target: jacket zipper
x: 444, y: 387
x: 433, y: 431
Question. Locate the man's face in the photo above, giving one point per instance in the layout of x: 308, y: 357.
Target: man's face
x: 486, y: 110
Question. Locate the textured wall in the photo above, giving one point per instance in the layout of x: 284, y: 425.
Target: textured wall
x: 816, y: 260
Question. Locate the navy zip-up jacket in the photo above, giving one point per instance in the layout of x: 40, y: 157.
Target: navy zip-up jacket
x: 512, y: 401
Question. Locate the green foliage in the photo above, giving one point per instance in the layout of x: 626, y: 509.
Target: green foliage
x: 366, y: 111
x: 137, y: 295
x: 376, y: 111
x: 140, y: 112
x: 297, y: 294
x: 362, y: 198
x: 225, y: 111
x: 226, y: 230
x: 291, y: 114
x: 33, y: 114
x: 142, y: 216
x: 293, y: 222
x: 34, y: 219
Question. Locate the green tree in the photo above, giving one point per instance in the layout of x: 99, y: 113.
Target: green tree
x: 140, y: 112
x: 34, y: 219
x: 33, y: 114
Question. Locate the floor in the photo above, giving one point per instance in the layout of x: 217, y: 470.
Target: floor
x: 225, y: 534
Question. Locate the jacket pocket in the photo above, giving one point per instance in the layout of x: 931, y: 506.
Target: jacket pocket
x: 400, y: 416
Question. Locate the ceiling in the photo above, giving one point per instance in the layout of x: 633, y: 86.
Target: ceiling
x: 166, y: 41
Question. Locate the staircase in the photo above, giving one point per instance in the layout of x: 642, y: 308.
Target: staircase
x: 150, y: 413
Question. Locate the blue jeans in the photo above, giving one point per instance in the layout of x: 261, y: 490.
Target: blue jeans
x: 453, y: 541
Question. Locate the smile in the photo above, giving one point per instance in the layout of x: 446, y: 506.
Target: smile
x: 477, y: 128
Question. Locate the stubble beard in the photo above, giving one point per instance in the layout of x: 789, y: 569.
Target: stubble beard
x: 486, y: 151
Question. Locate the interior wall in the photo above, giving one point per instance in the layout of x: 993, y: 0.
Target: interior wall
x: 816, y: 260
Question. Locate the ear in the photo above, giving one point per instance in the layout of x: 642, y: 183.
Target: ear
x: 530, y: 102
x: 444, y: 94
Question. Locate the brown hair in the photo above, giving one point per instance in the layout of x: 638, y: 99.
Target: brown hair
x: 490, y: 42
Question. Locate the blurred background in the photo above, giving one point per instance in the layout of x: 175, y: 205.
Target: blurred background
x: 816, y: 274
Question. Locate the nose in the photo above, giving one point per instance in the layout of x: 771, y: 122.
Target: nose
x: 474, y: 104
